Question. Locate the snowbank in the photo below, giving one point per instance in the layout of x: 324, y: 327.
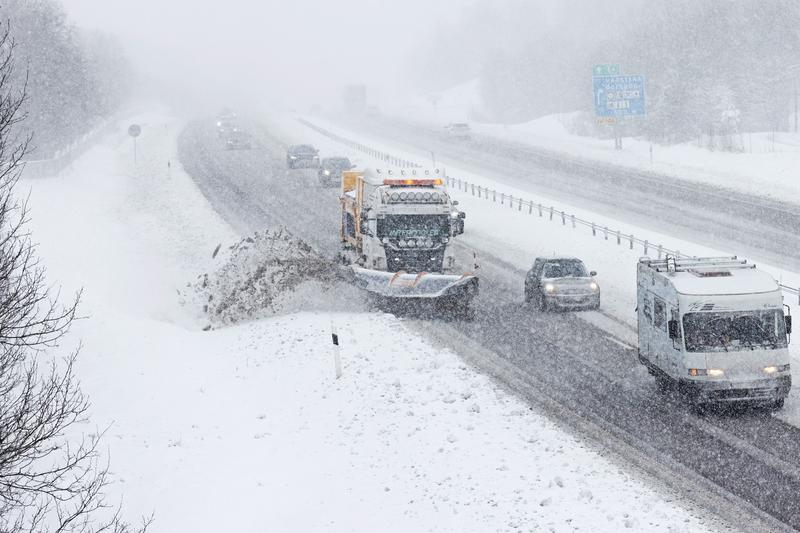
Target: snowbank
x: 246, y: 428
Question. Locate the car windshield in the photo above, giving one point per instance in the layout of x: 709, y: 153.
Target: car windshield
x: 302, y: 149
x: 337, y: 162
x: 565, y: 269
x: 407, y: 226
x: 734, y: 331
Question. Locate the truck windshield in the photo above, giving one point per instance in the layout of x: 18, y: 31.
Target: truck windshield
x: 734, y: 331
x: 409, y: 226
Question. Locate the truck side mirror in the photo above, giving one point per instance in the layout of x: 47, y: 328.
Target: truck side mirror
x: 788, y: 319
x: 674, y: 330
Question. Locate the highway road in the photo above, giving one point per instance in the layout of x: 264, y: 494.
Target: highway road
x: 744, y: 465
x: 747, y: 225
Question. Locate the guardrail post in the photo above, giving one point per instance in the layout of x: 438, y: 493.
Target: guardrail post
x: 530, y: 208
x: 494, y: 195
x: 573, y: 221
x: 551, y: 212
x: 619, y: 241
x: 605, y: 232
x: 510, y: 201
x: 645, y: 247
x: 520, y: 205
x: 594, y: 230
x: 540, y: 209
x: 660, y: 249
x: 563, y: 218
x: 502, y: 198
x: 473, y: 189
x: 631, y: 241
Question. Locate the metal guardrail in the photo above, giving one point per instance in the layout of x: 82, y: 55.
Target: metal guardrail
x: 532, y: 208
x: 42, y: 168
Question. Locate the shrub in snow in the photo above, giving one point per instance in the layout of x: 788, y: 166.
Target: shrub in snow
x: 264, y: 274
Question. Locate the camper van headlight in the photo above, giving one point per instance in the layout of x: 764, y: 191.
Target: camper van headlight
x: 715, y: 372
x: 774, y: 369
x: 549, y: 287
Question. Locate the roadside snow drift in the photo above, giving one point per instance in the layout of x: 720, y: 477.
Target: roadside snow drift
x: 247, y: 429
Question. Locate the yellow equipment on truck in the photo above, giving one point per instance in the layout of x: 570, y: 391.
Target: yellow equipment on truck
x: 398, y: 227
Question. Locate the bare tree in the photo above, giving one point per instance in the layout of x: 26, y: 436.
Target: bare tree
x: 48, y: 482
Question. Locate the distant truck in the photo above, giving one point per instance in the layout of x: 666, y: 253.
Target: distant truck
x: 714, y: 329
x: 398, y: 227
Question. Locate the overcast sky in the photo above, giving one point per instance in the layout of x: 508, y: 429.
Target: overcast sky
x: 292, y: 50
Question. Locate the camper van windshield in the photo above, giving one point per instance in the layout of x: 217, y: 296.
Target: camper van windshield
x: 734, y: 331
x: 408, y: 226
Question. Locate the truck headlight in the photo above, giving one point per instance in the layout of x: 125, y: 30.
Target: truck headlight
x: 549, y: 287
x: 327, y: 172
x: 594, y: 286
x: 715, y: 372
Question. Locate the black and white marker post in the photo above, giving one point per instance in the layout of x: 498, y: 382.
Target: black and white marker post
x: 337, y: 356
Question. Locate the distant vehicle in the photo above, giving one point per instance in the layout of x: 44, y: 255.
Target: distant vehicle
x: 714, y: 329
x: 561, y: 283
x: 459, y: 131
x: 239, y: 140
x: 226, y: 127
x: 302, y: 156
x: 331, y: 168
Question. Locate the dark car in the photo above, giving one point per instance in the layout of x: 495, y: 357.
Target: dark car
x: 239, y: 140
x: 561, y: 283
x: 302, y: 156
x: 331, y: 168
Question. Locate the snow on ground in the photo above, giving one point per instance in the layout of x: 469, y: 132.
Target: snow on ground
x: 769, y: 164
x: 246, y: 429
x: 517, y: 237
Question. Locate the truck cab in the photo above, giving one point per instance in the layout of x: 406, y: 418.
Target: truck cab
x: 714, y: 328
x: 400, y: 220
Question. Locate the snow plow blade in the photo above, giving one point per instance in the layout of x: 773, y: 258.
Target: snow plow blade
x: 423, y: 285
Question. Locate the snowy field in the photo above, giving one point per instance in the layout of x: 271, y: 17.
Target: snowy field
x: 246, y: 428
x: 517, y: 237
x: 768, y: 166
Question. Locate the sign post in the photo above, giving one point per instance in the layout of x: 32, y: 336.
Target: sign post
x: 617, y: 96
x: 134, y: 130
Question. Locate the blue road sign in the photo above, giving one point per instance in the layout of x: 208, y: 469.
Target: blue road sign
x: 618, y: 96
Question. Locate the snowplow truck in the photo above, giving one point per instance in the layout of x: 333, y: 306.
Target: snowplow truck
x: 398, y: 227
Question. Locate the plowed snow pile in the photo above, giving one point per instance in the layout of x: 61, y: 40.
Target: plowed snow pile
x: 269, y: 273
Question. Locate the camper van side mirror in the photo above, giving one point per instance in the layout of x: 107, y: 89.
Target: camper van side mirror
x: 788, y: 319
x: 674, y: 330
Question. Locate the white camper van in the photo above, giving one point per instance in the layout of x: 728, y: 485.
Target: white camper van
x: 714, y: 328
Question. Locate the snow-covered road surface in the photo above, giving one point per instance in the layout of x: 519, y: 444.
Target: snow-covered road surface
x: 246, y: 429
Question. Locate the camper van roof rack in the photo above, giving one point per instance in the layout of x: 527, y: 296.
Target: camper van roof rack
x: 699, y: 266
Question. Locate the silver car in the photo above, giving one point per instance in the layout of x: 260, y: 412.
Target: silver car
x: 561, y: 283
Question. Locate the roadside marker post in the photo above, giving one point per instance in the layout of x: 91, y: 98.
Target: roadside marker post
x: 337, y: 356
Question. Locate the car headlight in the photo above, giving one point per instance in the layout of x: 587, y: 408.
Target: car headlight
x: 594, y: 286
x: 327, y: 172
x: 710, y: 372
x: 292, y: 157
x: 549, y: 287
